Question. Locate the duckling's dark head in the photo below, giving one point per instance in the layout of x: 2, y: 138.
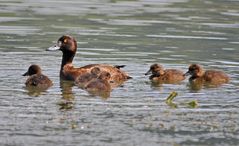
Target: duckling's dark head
x: 33, y: 69
x: 67, y: 44
x: 155, y: 69
x: 104, y: 75
x: 95, y: 71
x: 195, y: 70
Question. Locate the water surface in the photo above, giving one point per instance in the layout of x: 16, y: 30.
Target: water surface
x: 136, y: 33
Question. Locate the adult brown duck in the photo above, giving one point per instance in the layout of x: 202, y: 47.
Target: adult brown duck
x: 68, y: 45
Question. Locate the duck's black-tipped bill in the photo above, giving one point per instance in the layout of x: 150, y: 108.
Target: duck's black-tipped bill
x: 187, y: 73
x: 148, y: 72
x: 26, y: 74
x: 53, y: 48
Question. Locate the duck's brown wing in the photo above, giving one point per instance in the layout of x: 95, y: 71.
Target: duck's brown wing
x: 117, y: 75
x: 90, y: 66
x: 215, y: 77
x: 174, y: 75
x: 40, y: 81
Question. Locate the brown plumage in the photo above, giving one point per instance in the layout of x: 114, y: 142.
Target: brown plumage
x: 199, y: 76
x: 37, y: 79
x: 83, y: 79
x: 68, y: 46
x: 161, y: 75
x: 99, y: 84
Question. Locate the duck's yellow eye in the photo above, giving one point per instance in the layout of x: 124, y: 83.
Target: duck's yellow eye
x: 65, y: 40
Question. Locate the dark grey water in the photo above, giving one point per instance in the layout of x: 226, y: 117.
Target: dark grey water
x: 137, y: 33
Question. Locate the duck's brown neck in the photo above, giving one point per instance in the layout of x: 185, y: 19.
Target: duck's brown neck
x: 67, y: 58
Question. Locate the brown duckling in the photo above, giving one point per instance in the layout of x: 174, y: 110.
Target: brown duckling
x: 37, y: 79
x: 161, y: 75
x: 200, y: 76
x: 68, y: 45
x: 100, y: 84
x: 83, y: 79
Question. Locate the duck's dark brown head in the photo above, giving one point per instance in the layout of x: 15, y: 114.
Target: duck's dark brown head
x: 155, y: 69
x: 33, y: 69
x: 195, y: 70
x: 68, y: 45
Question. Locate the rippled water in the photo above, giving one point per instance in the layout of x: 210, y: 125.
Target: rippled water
x: 138, y: 33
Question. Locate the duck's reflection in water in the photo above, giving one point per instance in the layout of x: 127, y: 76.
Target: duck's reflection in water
x: 68, y: 98
x: 34, y: 91
x: 200, y: 84
x: 103, y: 94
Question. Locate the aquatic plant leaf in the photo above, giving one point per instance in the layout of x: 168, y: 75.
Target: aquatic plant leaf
x: 171, y: 97
x: 193, y: 104
x: 172, y: 105
x: 169, y: 100
x: 66, y: 105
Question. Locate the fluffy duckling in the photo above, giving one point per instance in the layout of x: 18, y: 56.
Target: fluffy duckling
x: 37, y: 79
x: 161, y: 75
x: 199, y: 75
x: 100, y: 84
x: 83, y: 79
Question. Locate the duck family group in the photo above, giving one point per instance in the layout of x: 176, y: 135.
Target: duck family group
x: 103, y: 77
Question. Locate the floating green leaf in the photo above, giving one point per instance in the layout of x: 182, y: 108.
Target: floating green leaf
x: 172, y: 105
x: 193, y: 104
x: 169, y: 100
x: 66, y: 105
x: 171, y: 97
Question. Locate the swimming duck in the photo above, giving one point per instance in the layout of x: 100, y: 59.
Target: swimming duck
x: 68, y: 45
x: 161, y: 75
x: 83, y: 79
x: 37, y: 79
x: 99, y: 84
x: 199, y: 76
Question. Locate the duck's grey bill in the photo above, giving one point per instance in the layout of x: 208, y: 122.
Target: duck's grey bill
x: 25, y: 74
x: 53, y: 48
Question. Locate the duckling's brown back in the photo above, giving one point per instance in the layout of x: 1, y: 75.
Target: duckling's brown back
x: 215, y: 77
x: 39, y: 81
